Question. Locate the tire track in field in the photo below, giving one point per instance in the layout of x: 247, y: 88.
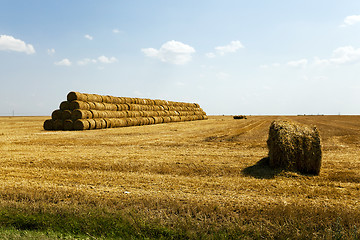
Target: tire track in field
x: 235, y: 133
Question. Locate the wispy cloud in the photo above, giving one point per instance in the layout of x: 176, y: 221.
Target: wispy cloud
x: 298, y: 63
x: 172, y: 52
x: 341, y: 56
x: 87, y: 36
x: 64, y: 62
x: 232, y: 47
x: 116, y: 31
x: 86, y: 61
x: 104, y: 59
x: 351, y: 20
x: 101, y: 59
x: 51, y: 51
x: 9, y: 43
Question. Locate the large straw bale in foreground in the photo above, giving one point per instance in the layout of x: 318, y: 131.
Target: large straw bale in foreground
x: 294, y: 147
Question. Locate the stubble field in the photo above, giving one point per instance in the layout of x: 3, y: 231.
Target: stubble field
x: 202, y: 179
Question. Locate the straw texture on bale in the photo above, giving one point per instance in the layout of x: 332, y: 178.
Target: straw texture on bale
x: 83, y: 111
x: 294, y: 147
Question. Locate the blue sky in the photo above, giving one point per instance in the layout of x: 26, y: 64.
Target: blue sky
x: 230, y: 56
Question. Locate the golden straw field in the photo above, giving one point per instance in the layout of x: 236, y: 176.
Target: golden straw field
x: 200, y: 179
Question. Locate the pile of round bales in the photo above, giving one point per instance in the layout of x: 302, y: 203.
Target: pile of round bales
x: 84, y: 111
x: 294, y: 147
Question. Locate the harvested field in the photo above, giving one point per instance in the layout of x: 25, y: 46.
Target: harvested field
x: 185, y: 179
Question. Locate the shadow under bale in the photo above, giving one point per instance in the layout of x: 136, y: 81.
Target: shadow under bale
x: 261, y: 170
x: 294, y: 147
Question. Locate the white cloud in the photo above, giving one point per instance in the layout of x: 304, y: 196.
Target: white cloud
x: 51, y: 51
x: 172, y: 52
x: 86, y: 61
x: 341, y: 55
x: 9, y: 43
x: 87, y: 36
x: 233, y: 46
x: 104, y: 59
x: 116, y: 31
x: 266, y: 66
x: 351, y: 20
x: 298, y: 63
x: 64, y: 62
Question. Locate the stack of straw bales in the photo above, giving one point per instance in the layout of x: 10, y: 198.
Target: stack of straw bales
x: 294, y: 147
x: 84, y: 111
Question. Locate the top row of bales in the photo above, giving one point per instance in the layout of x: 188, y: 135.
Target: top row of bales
x: 86, y: 97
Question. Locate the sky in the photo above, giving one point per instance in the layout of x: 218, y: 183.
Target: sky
x: 232, y: 57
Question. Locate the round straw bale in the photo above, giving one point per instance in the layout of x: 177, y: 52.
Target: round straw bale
x: 142, y: 121
x: 76, y: 96
x: 131, y: 121
x: 144, y: 101
x: 94, y: 98
x: 66, y: 114
x: 57, y: 114
x: 68, y: 125
x: 185, y: 118
x: 114, y: 100
x: 110, y: 114
x: 151, y: 102
x: 103, y: 114
x: 121, y: 122
x: 103, y: 123
x: 102, y: 106
x: 146, y: 121
x: 127, y: 100
x: 106, y: 99
x: 119, y: 114
x: 151, y: 120
x: 136, y: 113
x: 95, y: 113
x: 81, y: 114
x: 161, y: 113
x: 165, y: 107
x: 166, y: 119
x: 92, y: 123
x: 122, y: 107
x: 64, y: 105
x: 108, y: 122
x: 158, y: 120
x: 100, y: 123
x: 121, y: 100
x: 59, y: 124
x: 79, y: 105
x: 48, y: 124
x: 92, y: 105
x: 81, y: 124
x: 99, y: 106
x: 110, y: 107
x: 157, y: 108
x: 294, y: 147
x: 175, y: 119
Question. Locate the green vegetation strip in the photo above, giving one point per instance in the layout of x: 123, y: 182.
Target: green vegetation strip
x: 21, y: 223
